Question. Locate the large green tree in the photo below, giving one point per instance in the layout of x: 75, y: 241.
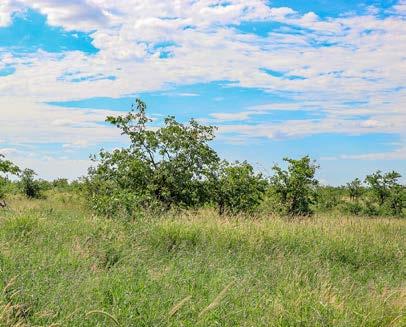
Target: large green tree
x: 166, y: 166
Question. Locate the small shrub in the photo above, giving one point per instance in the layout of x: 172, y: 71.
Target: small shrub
x: 353, y: 208
x: 239, y: 189
x: 6, y: 167
x: 371, y: 208
x: 30, y: 187
x: 386, y: 192
x: 328, y: 198
x: 296, y: 186
x: 381, y: 185
x: 355, y: 189
x: 396, y: 201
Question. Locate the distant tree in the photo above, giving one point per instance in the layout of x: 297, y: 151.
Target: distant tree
x: 60, y: 183
x: 381, y: 185
x: 6, y: 167
x: 31, y: 188
x: 396, y: 201
x: 296, y: 186
x: 355, y: 189
x: 239, y: 188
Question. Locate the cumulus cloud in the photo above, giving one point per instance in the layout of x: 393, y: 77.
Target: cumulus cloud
x: 324, y: 64
x: 25, y: 121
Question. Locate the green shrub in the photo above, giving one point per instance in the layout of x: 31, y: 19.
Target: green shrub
x: 30, y: 187
x: 328, y: 198
x: 296, y: 186
x: 239, y: 188
x: 353, y: 208
x: 396, y: 201
x: 6, y: 167
x: 387, y: 195
x: 355, y: 189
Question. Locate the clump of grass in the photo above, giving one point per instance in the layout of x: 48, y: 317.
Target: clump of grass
x: 12, y: 313
x: 217, y: 300
x: 100, y: 312
x: 178, y: 306
x: 19, y: 227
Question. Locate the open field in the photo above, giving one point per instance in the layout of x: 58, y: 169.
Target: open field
x: 62, y: 266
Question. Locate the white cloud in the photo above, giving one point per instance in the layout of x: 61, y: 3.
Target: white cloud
x: 398, y: 154
x: 24, y: 121
x: 340, y: 60
x: 52, y: 167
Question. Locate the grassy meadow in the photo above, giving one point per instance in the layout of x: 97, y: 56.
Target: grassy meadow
x: 61, y: 265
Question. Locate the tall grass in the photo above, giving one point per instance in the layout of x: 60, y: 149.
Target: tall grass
x: 61, y: 265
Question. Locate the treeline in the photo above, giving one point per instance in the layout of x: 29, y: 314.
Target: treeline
x: 174, y: 167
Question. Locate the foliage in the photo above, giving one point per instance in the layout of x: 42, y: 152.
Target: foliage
x: 396, y: 201
x: 296, y: 186
x: 239, y: 188
x: 329, y: 198
x: 381, y: 185
x: 388, y: 193
x: 30, y: 187
x: 167, y: 166
x: 60, y: 183
x: 6, y: 167
x: 353, y: 208
x: 355, y: 189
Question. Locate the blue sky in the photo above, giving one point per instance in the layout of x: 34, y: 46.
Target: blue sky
x: 279, y: 78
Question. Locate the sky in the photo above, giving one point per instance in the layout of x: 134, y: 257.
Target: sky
x: 279, y: 78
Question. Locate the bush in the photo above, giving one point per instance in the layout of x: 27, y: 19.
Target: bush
x: 355, y: 189
x: 328, y: 198
x: 386, y: 192
x: 353, y: 208
x: 30, y: 187
x: 396, y: 201
x: 381, y: 185
x: 296, y: 186
x: 6, y: 167
x: 239, y: 188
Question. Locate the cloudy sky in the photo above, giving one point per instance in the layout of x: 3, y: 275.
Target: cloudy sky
x: 279, y: 78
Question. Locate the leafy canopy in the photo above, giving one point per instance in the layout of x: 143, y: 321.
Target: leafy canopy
x: 381, y: 184
x: 30, y: 187
x: 169, y: 165
x: 296, y: 186
x: 6, y: 167
x: 239, y: 188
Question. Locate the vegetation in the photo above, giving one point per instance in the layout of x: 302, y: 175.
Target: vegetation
x: 204, y: 242
x: 30, y: 187
x: 239, y: 189
x: 174, y: 167
x: 61, y: 264
x: 296, y: 186
x: 6, y: 167
x: 168, y: 167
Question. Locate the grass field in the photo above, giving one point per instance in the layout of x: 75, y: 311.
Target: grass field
x: 62, y: 266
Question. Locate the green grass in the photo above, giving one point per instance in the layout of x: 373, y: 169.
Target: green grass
x: 62, y: 266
